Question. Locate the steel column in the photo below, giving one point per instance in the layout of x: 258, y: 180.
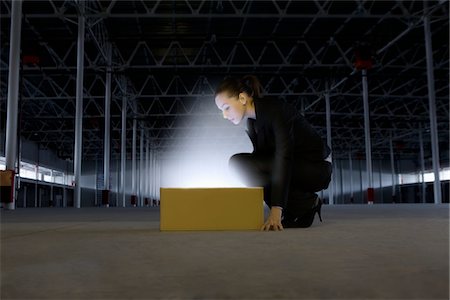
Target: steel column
x: 133, y: 163
x: 432, y: 106
x: 79, y: 107
x: 141, y: 169
x: 370, y: 192
x: 391, y: 148
x: 151, y: 178
x: 341, y: 181
x: 36, y: 183
x: 107, y: 143
x: 399, y: 171
x: 381, y: 180
x: 361, y: 189
x: 422, y: 166
x: 123, y: 149
x: 147, y: 168
x: 351, y: 175
x: 154, y: 177
x: 117, y: 179
x: 151, y: 182
x: 13, y: 94
x: 328, y: 117
x: 158, y: 177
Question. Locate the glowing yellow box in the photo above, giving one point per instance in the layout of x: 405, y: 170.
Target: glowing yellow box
x: 211, y: 209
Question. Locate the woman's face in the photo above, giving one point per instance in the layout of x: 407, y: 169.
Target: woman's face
x: 232, y: 108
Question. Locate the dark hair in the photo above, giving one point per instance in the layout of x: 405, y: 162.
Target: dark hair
x: 234, y: 86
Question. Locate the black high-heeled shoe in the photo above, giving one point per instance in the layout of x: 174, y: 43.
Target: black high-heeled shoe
x: 307, y: 219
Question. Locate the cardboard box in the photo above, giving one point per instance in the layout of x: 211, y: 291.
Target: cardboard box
x: 211, y: 209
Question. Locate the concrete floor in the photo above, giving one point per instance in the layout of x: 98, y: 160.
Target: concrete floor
x: 392, y: 251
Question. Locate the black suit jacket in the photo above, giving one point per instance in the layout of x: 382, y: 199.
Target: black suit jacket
x: 282, y: 134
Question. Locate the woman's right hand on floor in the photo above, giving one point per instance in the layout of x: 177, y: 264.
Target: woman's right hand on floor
x: 274, y: 220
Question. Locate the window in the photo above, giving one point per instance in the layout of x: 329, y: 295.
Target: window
x: 35, y: 172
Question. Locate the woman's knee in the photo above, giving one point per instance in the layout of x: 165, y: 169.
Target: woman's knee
x: 325, y: 176
x: 328, y: 170
x: 238, y: 161
x: 250, y: 169
x: 243, y: 166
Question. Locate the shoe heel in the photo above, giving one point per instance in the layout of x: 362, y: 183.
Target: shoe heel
x: 319, y: 209
x: 308, y: 218
x: 318, y: 212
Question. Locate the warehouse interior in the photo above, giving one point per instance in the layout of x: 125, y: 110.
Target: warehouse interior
x: 105, y: 102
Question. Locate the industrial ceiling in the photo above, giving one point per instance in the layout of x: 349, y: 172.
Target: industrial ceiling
x: 168, y: 56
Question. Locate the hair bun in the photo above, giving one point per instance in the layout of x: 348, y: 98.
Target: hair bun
x: 252, y: 85
x: 233, y: 86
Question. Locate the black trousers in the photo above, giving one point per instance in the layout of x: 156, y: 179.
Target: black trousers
x: 307, y: 179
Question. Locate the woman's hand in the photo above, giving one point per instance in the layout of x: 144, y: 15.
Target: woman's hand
x: 274, y: 220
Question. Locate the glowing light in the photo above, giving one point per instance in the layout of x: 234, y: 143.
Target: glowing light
x: 410, y: 178
x: 209, y: 171
x: 197, y: 161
